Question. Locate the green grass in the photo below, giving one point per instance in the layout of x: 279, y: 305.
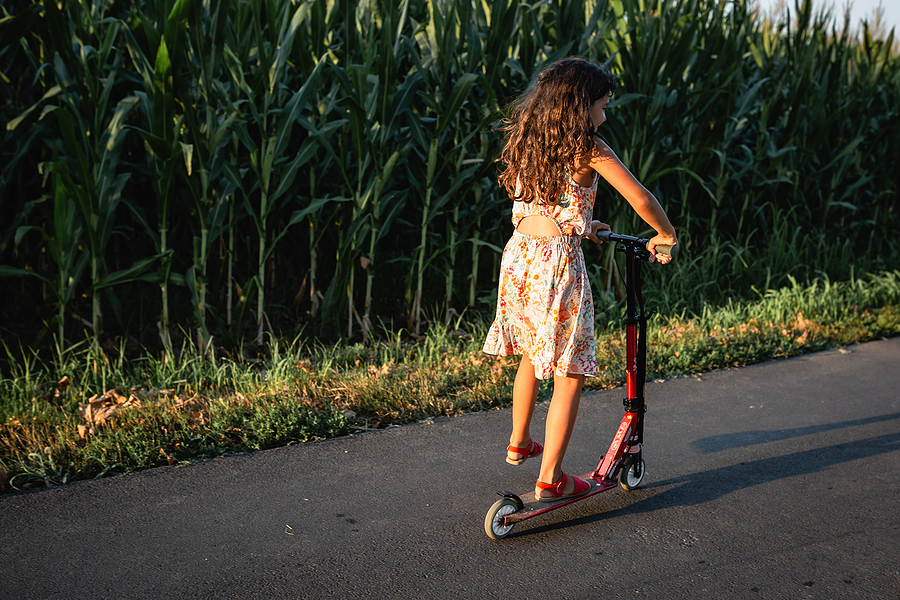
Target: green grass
x: 185, y: 406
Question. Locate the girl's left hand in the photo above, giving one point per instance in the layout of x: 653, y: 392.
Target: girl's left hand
x: 661, y: 239
x: 595, y: 227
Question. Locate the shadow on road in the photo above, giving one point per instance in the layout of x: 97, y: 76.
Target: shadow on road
x: 699, y: 488
x: 718, y: 443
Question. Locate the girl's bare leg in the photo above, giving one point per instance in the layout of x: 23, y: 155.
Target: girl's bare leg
x: 560, y: 423
x: 525, y: 392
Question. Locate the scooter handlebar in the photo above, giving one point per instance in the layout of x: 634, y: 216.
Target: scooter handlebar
x: 635, y: 242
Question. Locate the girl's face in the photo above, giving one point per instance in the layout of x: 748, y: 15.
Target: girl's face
x: 598, y: 111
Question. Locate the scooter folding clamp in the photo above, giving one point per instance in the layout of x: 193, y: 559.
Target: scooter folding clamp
x: 634, y: 405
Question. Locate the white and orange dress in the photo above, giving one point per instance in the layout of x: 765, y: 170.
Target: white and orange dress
x: 544, y: 305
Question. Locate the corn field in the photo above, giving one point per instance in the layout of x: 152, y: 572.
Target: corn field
x: 251, y: 168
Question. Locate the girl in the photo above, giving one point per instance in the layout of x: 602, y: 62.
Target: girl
x: 553, y: 159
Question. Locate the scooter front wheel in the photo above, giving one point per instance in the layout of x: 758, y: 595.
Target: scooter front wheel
x: 493, y: 521
x: 632, y: 474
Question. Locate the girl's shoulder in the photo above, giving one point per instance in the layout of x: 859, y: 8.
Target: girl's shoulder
x: 601, y: 154
x: 601, y: 146
x: 599, y: 150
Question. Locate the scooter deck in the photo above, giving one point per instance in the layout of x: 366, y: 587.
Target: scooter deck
x: 533, y: 507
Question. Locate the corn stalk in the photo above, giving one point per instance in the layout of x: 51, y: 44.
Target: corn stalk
x: 377, y: 98
x: 168, y: 157
x: 91, y: 136
x: 208, y: 119
x: 273, y: 114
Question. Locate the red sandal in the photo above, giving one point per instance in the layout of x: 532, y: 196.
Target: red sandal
x: 581, y: 487
x: 530, y: 451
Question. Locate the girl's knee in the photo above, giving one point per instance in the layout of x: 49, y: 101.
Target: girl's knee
x: 571, y: 378
x: 569, y: 381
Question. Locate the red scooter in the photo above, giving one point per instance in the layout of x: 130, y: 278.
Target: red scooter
x: 623, y: 463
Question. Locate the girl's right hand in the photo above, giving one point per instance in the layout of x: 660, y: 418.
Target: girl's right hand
x: 595, y: 227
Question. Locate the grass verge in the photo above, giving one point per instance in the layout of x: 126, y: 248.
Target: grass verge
x: 87, y: 414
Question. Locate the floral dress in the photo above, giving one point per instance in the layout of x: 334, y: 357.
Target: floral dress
x: 544, y: 305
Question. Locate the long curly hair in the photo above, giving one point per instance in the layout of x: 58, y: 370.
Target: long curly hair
x: 549, y: 129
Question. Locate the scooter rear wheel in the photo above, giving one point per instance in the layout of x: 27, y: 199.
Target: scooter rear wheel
x: 631, y: 475
x: 493, y: 521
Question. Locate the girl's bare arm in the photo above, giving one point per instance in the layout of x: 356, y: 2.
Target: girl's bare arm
x: 605, y: 162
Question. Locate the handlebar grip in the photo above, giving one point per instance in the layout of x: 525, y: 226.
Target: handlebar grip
x: 667, y: 250
x: 609, y: 236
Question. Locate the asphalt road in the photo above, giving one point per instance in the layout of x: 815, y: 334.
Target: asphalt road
x: 779, y: 480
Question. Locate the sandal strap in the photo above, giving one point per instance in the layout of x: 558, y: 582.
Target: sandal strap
x: 555, y: 488
x: 532, y: 449
x: 581, y: 485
